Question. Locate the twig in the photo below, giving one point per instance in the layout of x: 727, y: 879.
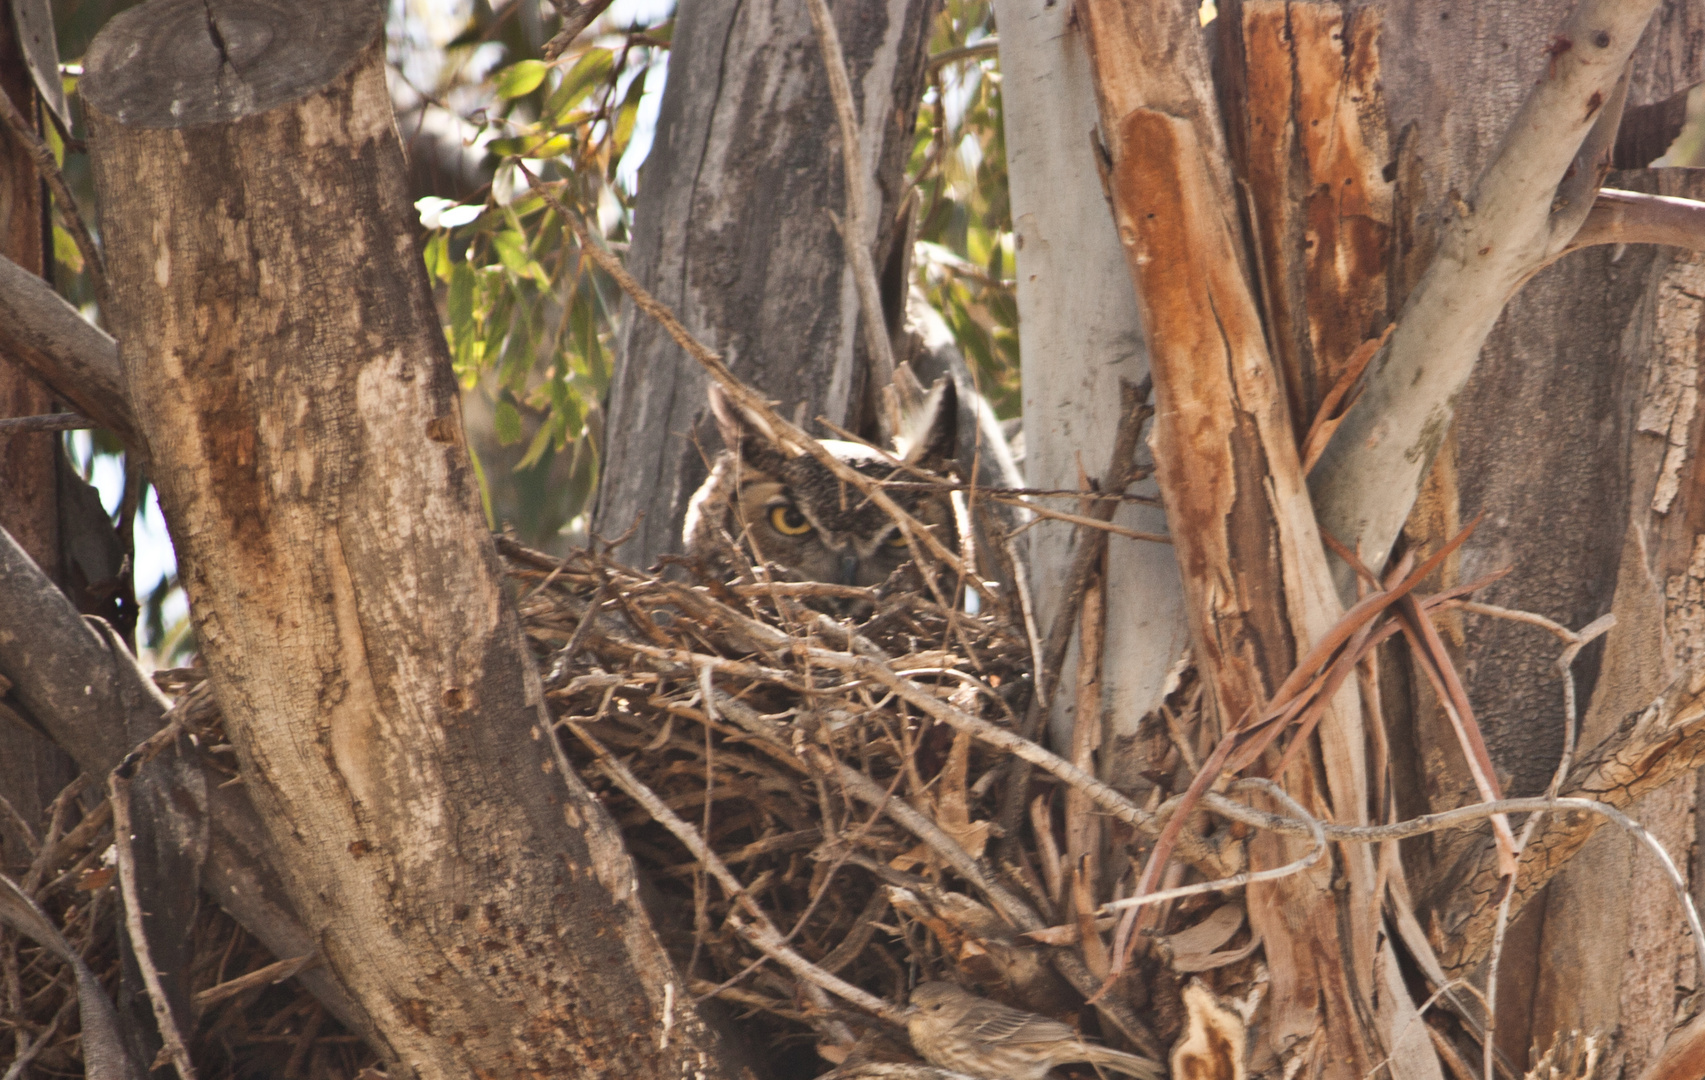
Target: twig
x: 979, y: 50
x: 1027, y: 492
x: 65, y: 421
x: 1317, y: 832
x: 575, y: 19
x: 868, y: 792
x: 854, y: 234
x: 763, y: 934
x: 1565, y: 668
x: 22, y: 130
x: 1076, y: 519
x: 21, y: 1064
x: 272, y: 973
x: 1027, y: 608
x: 119, y: 792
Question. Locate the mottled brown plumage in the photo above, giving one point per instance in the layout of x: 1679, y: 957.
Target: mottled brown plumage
x: 769, y: 502
x: 954, y: 1029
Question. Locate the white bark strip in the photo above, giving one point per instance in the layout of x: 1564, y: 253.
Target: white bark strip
x: 1080, y: 335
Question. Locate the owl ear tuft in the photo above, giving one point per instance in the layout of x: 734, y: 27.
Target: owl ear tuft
x: 929, y: 431
x: 742, y: 429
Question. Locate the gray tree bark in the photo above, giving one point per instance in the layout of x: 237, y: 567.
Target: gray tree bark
x: 735, y: 231
x: 283, y: 354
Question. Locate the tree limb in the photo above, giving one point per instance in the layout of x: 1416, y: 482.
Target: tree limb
x: 1512, y: 223
x: 1633, y: 217
x: 77, y: 360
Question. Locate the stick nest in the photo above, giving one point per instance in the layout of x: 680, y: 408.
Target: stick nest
x: 758, y: 714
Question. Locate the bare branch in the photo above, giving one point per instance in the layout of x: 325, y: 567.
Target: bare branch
x: 575, y: 19
x: 79, y: 361
x: 1508, y: 227
x: 1633, y: 217
x: 24, y: 131
x: 119, y: 788
x: 855, y: 231
x: 65, y: 421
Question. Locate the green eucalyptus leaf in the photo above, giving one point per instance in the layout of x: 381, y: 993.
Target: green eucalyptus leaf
x: 520, y: 79
x: 588, y: 72
x: 506, y: 422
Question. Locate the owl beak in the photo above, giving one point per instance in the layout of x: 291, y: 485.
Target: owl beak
x: 849, y: 569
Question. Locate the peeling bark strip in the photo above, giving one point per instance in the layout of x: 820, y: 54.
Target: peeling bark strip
x: 1209, y: 455
x: 1517, y: 217
x: 1255, y: 575
x: 1313, y: 147
x: 288, y: 373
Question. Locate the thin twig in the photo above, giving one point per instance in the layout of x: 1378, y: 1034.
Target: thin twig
x: 25, y: 132
x: 1317, y: 833
x: 979, y: 50
x: 1077, y: 519
x: 272, y: 973
x: 21, y: 1064
x: 855, y: 236
x: 65, y: 421
x: 118, y: 785
x: 575, y: 19
x: 1565, y: 669
x: 764, y: 934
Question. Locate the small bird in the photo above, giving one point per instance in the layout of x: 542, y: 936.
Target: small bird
x: 957, y: 1030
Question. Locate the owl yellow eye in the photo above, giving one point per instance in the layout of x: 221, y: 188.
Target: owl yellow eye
x: 897, y: 541
x: 788, y: 521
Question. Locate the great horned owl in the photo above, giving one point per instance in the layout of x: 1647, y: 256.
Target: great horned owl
x: 770, y: 502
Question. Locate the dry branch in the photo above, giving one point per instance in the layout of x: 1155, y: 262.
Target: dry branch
x: 856, y: 233
x: 1505, y: 229
x: 78, y: 360
x: 1633, y: 217
x: 23, y: 130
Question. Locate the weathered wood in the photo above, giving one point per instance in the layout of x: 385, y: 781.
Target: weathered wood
x: 78, y: 360
x: 284, y: 355
x: 733, y: 231
x: 1256, y: 582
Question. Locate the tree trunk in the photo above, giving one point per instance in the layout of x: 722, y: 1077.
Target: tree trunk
x: 735, y: 230
x: 1576, y: 438
x: 1344, y: 147
x: 283, y: 354
x: 1081, y: 339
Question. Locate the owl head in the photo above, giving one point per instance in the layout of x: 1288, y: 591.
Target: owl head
x: 784, y: 508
